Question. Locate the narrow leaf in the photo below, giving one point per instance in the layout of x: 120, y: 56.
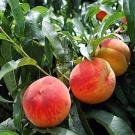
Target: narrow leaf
x: 18, y: 112
x: 18, y: 16
x: 4, y: 100
x: 129, y: 8
x: 108, y: 22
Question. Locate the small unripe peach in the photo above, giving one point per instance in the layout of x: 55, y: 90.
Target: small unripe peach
x: 100, y: 15
x: 46, y: 102
x: 92, y: 81
x: 117, y: 53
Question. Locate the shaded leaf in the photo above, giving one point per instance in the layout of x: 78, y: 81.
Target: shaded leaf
x: 57, y: 48
x: 18, y: 16
x: 75, y: 123
x: 18, y: 112
x: 33, y: 27
x: 129, y: 6
x: 113, y: 124
x: 121, y: 95
x: 9, y: 78
x: 57, y: 131
x: 4, y: 100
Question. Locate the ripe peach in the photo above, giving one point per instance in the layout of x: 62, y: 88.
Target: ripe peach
x: 46, y: 102
x: 92, y: 81
x: 117, y: 53
x: 100, y: 15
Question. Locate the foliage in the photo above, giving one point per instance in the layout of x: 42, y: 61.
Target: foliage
x: 39, y: 38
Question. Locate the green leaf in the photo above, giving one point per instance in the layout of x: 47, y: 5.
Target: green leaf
x: 117, y: 109
x: 121, y: 96
x: 40, y: 9
x: 7, y: 125
x: 4, y: 100
x: 8, y: 133
x: 113, y: 124
x: 75, y: 123
x: 108, y: 22
x: 33, y: 27
x: 9, y: 78
x: 10, y: 82
x: 25, y: 7
x: 6, y: 50
x: 18, y: 16
x: 84, y: 121
x: 57, y: 131
x: 52, y: 36
x: 12, y: 65
x: 18, y: 112
x: 48, y: 52
x: 79, y: 26
x: 3, y: 37
x: 129, y: 6
x: 91, y: 11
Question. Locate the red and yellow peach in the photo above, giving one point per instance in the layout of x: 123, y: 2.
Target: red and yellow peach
x: 117, y: 53
x: 92, y: 81
x: 46, y: 102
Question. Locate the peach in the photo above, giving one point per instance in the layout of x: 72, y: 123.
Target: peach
x: 92, y: 81
x: 117, y: 53
x: 100, y: 15
x: 46, y: 102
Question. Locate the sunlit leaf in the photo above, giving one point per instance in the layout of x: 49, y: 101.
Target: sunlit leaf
x: 7, y: 125
x: 12, y: 65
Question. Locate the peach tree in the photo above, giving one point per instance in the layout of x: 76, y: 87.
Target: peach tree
x: 41, y: 38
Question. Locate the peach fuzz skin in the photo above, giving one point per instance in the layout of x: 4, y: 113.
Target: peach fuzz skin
x: 117, y: 53
x: 46, y: 102
x: 92, y: 81
x: 100, y: 15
